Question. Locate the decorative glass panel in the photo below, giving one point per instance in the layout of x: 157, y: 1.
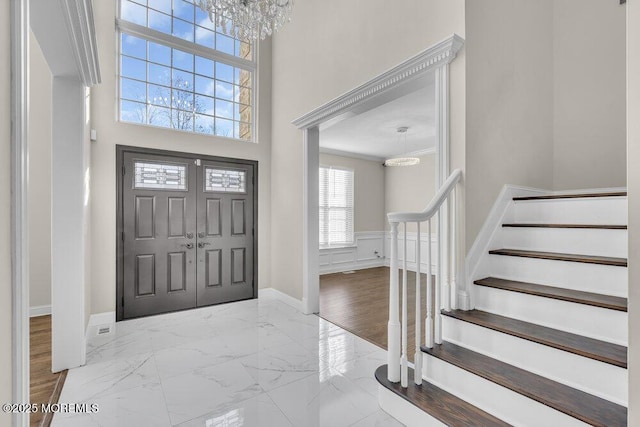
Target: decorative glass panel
x: 224, y: 180
x: 160, y: 176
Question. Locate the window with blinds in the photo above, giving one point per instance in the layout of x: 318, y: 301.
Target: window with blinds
x: 336, y: 206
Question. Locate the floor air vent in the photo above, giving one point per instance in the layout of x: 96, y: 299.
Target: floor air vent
x: 104, y: 330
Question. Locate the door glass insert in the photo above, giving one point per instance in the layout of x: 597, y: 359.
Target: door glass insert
x: 160, y: 176
x: 225, y: 180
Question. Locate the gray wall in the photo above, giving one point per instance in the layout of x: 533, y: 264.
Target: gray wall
x: 589, y: 131
x: 111, y: 132
x: 545, y: 98
x: 368, y: 190
x: 328, y: 48
x: 39, y: 178
x: 509, y: 95
x: 410, y: 189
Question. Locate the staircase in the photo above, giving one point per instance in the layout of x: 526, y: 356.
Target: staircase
x: 545, y: 344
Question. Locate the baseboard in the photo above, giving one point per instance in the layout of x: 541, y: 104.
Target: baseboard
x: 281, y: 296
x: 357, y: 265
x: 39, y: 310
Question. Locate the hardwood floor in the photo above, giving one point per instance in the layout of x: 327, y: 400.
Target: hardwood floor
x: 359, y: 303
x: 45, y: 386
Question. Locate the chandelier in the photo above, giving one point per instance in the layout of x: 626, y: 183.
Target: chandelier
x: 248, y: 19
x: 402, y: 161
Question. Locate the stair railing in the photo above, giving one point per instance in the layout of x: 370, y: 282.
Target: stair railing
x: 444, y: 297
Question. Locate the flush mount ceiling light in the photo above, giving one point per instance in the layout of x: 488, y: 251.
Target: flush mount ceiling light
x: 402, y: 161
x: 248, y: 19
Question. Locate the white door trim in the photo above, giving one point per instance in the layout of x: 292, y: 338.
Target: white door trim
x: 19, y: 223
x: 389, y: 85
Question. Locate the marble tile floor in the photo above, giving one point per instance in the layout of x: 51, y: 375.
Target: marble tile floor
x: 251, y: 363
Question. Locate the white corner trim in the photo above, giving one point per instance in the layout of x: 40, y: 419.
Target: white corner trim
x: 348, y: 154
x: 82, y: 35
x: 281, y: 296
x: 435, y: 56
x: 40, y: 310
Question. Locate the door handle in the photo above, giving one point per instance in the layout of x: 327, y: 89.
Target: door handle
x: 187, y: 245
x: 203, y: 244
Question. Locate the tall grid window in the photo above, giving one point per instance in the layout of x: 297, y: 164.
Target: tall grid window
x: 336, y: 206
x: 179, y: 71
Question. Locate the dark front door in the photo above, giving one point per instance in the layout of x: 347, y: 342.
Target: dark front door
x: 225, y: 232
x: 187, y: 232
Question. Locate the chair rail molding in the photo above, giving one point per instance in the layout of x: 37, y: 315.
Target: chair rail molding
x: 439, y: 54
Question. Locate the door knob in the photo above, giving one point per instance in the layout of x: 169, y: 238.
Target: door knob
x: 187, y: 245
x: 189, y: 235
x: 203, y: 244
x: 201, y: 234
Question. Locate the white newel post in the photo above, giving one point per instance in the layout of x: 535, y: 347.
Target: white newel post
x: 393, y: 328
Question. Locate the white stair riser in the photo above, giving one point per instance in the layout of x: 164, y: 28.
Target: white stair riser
x: 611, y: 243
x: 600, y: 210
x: 403, y: 411
x: 594, y: 377
x: 602, y: 279
x: 594, y: 322
x: 501, y: 402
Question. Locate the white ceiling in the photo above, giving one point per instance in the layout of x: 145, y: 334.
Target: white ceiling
x: 373, y: 133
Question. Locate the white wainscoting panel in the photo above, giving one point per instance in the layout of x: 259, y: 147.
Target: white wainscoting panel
x: 367, y: 252
x: 412, y: 245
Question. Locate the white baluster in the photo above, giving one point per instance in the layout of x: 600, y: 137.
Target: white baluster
x: 446, y: 288
x: 393, y: 328
x: 438, y: 297
x: 429, y: 320
x: 454, y: 250
x: 404, y: 366
x: 417, y: 358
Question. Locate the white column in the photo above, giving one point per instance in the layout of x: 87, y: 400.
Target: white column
x: 68, y: 218
x: 311, y: 221
x: 393, y: 328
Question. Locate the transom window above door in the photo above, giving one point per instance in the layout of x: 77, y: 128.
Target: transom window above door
x: 179, y: 71
x: 336, y: 207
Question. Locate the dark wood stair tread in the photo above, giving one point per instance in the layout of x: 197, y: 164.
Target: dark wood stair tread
x: 438, y: 403
x: 573, y: 196
x: 579, y: 297
x: 588, y: 259
x: 578, y: 404
x: 589, y: 226
x: 603, y: 351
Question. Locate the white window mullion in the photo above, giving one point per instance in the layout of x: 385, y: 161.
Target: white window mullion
x: 180, y: 44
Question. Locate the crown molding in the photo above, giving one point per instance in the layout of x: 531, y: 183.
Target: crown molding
x: 437, y: 55
x: 82, y: 35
